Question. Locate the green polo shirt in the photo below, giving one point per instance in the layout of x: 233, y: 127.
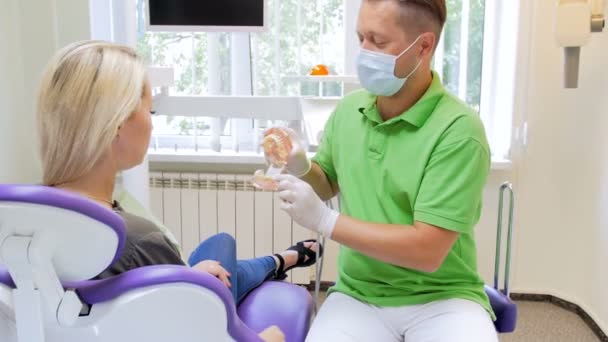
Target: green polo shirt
x: 430, y: 164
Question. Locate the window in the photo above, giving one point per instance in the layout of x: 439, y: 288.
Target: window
x: 459, y: 55
x: 301, y: 34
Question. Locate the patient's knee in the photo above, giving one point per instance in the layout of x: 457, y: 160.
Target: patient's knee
x: 224, y: 239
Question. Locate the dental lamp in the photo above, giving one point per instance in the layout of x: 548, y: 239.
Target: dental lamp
x: 576, y: 20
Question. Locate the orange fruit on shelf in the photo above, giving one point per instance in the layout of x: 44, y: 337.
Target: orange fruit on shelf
x: 320, y: 70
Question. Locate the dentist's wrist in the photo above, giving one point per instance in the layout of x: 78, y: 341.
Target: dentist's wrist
x: 327, y: 222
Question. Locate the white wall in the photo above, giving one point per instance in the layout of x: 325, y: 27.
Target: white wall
x: 30, y: 32
x: 15, y: 166
x: 10, y: 91
x: 562, y: 220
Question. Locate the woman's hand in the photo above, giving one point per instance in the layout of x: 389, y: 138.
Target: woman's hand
x: 272, y: 334
x: 213, y: 267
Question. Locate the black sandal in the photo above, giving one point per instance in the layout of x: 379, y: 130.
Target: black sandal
x: 303, y: 252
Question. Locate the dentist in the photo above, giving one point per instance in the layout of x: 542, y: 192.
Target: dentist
x: 410, y: 161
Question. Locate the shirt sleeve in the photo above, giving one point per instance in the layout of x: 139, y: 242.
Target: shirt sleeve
x: 450, y: 195
x: 324, y: 156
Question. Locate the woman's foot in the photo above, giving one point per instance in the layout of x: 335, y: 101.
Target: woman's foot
x: 291, y: 256
x: 300, y: 255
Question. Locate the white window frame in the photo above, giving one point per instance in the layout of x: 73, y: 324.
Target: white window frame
x: 243, y: 129
x: 500, y: 55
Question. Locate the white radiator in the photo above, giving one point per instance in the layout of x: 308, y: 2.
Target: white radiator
x: 195, y: 206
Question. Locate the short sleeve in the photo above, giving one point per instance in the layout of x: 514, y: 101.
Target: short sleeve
x: 324, y: 156
x: 451, y: 191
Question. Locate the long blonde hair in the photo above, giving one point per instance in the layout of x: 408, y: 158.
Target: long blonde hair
x: 88, y: 90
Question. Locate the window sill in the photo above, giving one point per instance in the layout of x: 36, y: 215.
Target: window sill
x: 245, y: 158
x: 207, y: 157
x: 351, y: 79
x: 501, y: 164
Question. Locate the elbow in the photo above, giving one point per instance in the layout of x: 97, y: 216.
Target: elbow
x: 434, y: 262
x: 431, y: 266
x: 432, y: 248
x: 428, y: 264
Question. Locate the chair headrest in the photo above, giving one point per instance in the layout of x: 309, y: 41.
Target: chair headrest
x: 82, y: 237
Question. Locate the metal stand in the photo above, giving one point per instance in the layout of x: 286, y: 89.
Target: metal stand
x: 319, y: 264
x: 504, y: 187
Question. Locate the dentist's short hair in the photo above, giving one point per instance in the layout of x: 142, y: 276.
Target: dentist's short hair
x: 436, y: 8
x: 425, y: 14
x: 87, y: 91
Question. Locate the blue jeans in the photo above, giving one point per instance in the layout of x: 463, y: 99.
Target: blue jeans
x: 249, y: 273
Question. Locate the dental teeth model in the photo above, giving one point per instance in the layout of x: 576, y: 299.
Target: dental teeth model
x: 277, y: 146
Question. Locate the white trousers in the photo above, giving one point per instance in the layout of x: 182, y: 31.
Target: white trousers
x: 343, y: 318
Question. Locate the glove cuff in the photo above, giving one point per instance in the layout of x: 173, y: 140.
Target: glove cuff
x: 301, y: 169
x: 328, y: 222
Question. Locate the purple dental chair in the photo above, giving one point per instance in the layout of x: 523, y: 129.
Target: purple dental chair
x: 53, y: 242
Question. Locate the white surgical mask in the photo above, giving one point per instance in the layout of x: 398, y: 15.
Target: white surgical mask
x: 376, y: 71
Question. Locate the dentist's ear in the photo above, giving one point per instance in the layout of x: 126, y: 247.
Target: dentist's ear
x: 429, y: 41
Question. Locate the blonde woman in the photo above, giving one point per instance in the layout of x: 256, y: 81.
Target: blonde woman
x: 94, y: 121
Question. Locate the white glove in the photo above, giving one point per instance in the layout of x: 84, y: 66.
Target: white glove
x: 300, y: 201
x: 298, y: 163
